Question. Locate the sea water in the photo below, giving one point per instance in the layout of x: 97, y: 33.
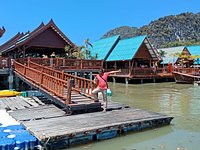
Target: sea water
x: 182, y: 101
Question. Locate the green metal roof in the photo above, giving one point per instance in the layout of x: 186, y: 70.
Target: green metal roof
x: 126, y: 49
x: 194, y: 50
x: 102, y: 47
x: 169, y: 58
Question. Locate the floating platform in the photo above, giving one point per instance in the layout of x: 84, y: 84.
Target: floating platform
x: 51, y: 125
x: 54, y: 127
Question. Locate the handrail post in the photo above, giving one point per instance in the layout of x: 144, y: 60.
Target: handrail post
x: 41, y: 76
x: 70, y: 83
x: 24, y: 71
x: 81, y: 64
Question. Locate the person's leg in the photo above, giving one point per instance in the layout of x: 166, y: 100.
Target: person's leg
x: 105, y: 104
x: 95, y: 94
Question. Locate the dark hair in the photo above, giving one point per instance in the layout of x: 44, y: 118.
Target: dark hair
x: 101, y: 70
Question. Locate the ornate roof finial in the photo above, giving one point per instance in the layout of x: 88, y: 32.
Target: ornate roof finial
x: 2, y: 31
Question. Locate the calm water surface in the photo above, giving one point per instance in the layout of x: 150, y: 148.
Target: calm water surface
x: 178, y: 100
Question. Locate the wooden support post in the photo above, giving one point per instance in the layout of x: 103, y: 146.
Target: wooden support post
x: 51, y: 62
x: 154, y: 80
x: 126, y: 80
x: 63, y: 62
x: 10, y: 79
x: 70, y: 83
x: 141, y: 81
x: 114, y: 79
x: 17, y: 83
x: 81, y: 64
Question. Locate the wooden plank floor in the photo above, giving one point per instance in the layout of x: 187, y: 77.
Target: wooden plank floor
x: 49, y: 123
x: 66, y: 127
x: 18, y: 102
x: 40, y: 112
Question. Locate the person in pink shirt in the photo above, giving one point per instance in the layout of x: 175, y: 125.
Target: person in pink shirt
x: 102, y: 86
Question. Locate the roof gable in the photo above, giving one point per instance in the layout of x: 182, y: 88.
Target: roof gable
x: 126, y: 49
x: 170, y: 52
x: 194, y: 50
x: 29, y: 36
x: 103, y: 47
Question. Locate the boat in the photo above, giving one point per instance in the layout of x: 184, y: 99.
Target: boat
x: 9, y: 93
x: 185, y: 78
x: 181, y: 77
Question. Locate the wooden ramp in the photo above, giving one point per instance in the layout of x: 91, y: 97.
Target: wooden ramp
x: 49, y: 124
x: 79, y: 102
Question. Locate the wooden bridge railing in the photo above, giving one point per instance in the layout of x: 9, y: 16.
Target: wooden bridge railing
x: 57, y: 82
x: 143, y: 72
x: 61, y: 63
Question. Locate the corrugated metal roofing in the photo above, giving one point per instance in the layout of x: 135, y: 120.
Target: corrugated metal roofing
x: 169, y: 58
x: 102, y: 47
x: 126, y: 49
x: 194, y: 50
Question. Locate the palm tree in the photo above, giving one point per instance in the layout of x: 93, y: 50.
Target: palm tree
x: 80, y: 52
x: 177, y: 54
x: 87, y: 43
x: 162, y: 55
x: 195, y: 58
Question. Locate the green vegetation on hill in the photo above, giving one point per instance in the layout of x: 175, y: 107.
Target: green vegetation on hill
x: 169, y: 31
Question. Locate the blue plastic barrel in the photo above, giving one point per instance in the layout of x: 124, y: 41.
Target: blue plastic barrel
x: 26, y: 141
x: 3, y: 134
x: 7, y: 144
x: 19, y: 132
x: 15, y: 127
x: 1, y: 129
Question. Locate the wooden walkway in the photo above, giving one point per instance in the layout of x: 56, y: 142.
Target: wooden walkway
x: 55, y: 86
x: 52, y: 125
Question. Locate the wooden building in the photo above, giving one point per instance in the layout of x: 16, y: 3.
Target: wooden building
x: 132, y: 53
x: 44, y: 40
x: 175, y: 55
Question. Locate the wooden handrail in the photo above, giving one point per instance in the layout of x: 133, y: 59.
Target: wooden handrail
x: 56, y: 82
x: 60, y: 63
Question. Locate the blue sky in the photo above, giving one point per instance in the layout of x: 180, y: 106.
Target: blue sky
x: 81, y: 19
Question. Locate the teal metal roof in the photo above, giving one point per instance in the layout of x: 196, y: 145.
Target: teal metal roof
x: 102, y: 47
x: 126, y: 49
x: 169, y: 58
x: 194, y: 50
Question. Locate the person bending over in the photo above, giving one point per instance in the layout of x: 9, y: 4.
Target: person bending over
x: 102, y: 86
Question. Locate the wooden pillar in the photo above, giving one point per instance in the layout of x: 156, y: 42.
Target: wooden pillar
x: 51, y: 62
x: 114, y: 79
x: 70, y: 83
x: 154, y: 80
x: 63, y: 62
x: 126, y: 80
x: 141, y: 81
x: 17, y: 83
x: 115, y: 66
x: 10, y: 78
x: 90, y: 74
x: 129, y: 67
